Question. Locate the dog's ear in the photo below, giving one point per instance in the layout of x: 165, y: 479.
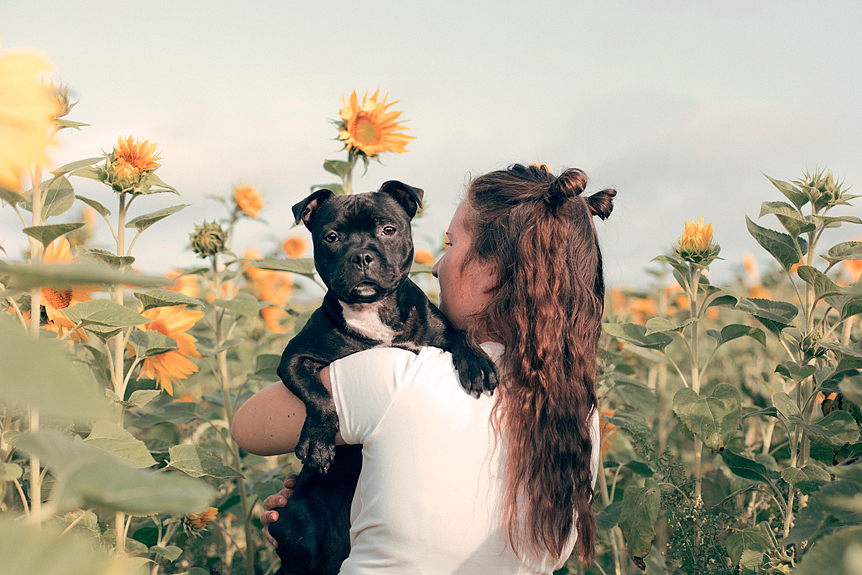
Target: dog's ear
x: 409, y: 197
x: 304, y: 210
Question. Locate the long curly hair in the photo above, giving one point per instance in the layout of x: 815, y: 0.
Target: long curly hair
x: 537, y: 231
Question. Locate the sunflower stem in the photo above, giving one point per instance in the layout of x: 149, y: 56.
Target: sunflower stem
x: 35, y: 320
x: 224, y: 380
x: 119, y: 344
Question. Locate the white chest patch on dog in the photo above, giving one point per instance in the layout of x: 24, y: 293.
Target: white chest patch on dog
x: 364, y: 319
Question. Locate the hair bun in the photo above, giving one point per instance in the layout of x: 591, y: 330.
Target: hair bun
x: 602, y: 203
x: 565, y: 187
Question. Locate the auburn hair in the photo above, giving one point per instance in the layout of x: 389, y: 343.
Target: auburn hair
x: 537, y: 232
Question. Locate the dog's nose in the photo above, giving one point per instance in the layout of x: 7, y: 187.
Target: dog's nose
x: 363, y: 259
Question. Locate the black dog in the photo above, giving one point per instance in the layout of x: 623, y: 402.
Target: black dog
x: 363, y: 251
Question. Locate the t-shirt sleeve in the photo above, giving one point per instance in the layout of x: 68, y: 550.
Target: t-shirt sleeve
x: 364, y: 386
x: 596, y: 438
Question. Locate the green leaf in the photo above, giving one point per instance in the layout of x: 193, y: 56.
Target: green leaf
x: 609, y: 516
x: 747, y: 468
x: 791, y: 192
x: 143, y: 222
x: 636, y: 394
x: 340, y: 168
x: 823, y: 286
x: 680, y: 267
x: 715, y: 419
x: 301, y: 266
x: 40, y: 549
x: 59, y: 197
x: 165, y: 298
x: 774, y: 315
x: 141, y: 397
x: 756, y: 539
x: 851, y: 250
x: 852, y: 472
x: 828, y: 508
x: 27, y: 276
x: 785, y: 405
x: 87, y: 476
x: 105, y: 212
x: 154, y: 180
x: 795, y: 372
x: 114, y: 439
x: 10, y: 197
x: 790, y: 218
x: 851, y: 389
x: 808, y: 479
x: 104, y: 312
x: 106, y: 257
x: 836, y: 221
x: 780, y: 245
x: 838, y: 553
x: 171, y: 552
x: 71, y: 167
x: 631, y: 421
x: 148, y: 343
x: 197, y: 462
x: 838, y: 428
x: 734, y: 330
x: 178, y: 413
x: 97, y: 173
x: 10, y: 471
x: 242, y: 304
x: 42, y: 374
x: 639, y: 515
x: 47, y: 234
x: 660, y: 325
x: 636, y: 334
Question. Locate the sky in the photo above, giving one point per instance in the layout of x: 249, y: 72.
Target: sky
x: 682, y: 106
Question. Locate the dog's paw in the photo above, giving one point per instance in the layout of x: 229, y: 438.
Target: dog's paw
x: 477, y: 373
x: 316, y: 453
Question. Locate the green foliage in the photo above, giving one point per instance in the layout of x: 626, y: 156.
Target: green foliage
x: 782, y: 496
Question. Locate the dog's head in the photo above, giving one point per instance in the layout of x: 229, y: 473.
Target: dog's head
x: 363, y: 245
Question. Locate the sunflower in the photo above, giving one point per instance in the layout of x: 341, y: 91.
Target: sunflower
x: 294, y: 246
x: 55, y: 300
x: 132, y: 159
x: 248, y: 200
x: 27, y: 109
x: 424, y: 257
x: 370, y: 128
x: 696, y: 245
x: 268, y: 285
x: 172, y: 366
x: 273, y: 318
x: 184, y: 284
x: 199, y: 520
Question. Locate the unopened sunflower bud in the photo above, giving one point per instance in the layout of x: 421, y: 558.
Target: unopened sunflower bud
x: 208, y: 239
x: 696, y: 245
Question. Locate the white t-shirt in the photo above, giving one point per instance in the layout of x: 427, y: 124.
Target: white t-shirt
x: 430, y: 494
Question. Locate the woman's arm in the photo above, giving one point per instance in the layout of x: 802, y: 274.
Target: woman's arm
x: 270, y: 421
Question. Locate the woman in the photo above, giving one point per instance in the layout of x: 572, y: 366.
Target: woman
x: 454, y: 484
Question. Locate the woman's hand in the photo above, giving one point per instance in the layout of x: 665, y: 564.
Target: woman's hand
x: 274, y: 502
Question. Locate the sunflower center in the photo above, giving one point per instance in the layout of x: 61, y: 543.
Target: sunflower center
x: 57, y: 299
x: 367, y: 131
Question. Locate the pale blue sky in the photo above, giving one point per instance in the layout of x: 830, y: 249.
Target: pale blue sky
x: 680, y: 105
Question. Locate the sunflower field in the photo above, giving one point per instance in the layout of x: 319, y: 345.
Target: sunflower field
x: 730, y: 414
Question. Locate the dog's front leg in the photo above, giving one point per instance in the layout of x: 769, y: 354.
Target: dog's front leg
x: 316, y: 447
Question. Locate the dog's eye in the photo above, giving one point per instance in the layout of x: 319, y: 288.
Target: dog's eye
x: 331, y: 237
x: 388, y: 230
